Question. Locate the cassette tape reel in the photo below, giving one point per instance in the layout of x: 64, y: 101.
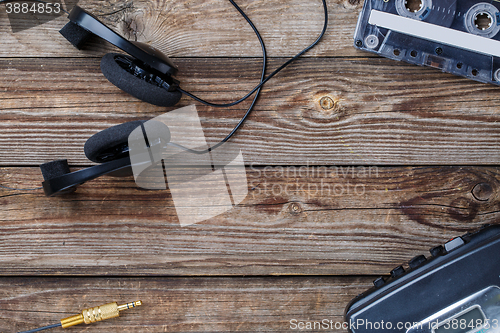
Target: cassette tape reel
x: 456, y: 36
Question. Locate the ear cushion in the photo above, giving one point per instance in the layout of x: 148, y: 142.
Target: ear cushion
x: 111, y: 143
x: 134, y: 85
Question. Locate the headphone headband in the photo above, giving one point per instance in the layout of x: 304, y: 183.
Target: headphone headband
x: 148, y: 55
x: 68, y: 182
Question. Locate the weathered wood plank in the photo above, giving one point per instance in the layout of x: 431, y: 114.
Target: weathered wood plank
x: 383, y: 112
x: 201, y: 28
x: 180, y: 304
x: 341, y: 221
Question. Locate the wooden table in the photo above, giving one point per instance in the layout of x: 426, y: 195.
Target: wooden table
x: 411, y: 155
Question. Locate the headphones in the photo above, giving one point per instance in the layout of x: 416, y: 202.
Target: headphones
x: 147, y: 74
x: 144, y: 73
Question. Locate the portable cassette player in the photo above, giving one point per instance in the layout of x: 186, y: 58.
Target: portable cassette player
x: 455, y: 290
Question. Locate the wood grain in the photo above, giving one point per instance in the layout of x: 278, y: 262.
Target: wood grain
x: 299, y: 221
x: 179, y: 304
x: 384, y: 113
x: 321, y: 212
x: 200, y: 28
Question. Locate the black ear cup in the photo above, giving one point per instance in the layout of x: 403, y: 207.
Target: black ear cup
x: 123, y: 72
x: 75, y: 34
x: 111, y: 143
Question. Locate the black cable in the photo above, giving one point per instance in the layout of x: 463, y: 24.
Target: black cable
x: 196, y: 98
x: 41, y: 1
x: 264, y: 63
x: 42, y: 328
x: 21, y: 189
x: 259, y: 86
x: 245, y: 116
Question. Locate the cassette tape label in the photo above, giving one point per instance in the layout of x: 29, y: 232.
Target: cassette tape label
x: 457, y: 36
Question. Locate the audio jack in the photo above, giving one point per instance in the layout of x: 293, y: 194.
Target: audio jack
x: 89, y: 316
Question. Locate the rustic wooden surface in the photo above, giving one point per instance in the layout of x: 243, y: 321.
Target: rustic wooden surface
x: 385, y: 113
x: 346, y: 222
x: 181, y: 304
x: 404, y: 159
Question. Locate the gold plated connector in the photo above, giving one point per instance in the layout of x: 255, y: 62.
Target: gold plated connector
x: 98, y: 313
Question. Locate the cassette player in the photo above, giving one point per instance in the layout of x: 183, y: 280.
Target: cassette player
x: 456, y: 36
x: 455, y: 290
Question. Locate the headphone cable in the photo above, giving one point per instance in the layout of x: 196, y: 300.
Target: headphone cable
x: 325, y: 26
x: 42, y: 328
x: 263, y: 79
x: 21, y: 189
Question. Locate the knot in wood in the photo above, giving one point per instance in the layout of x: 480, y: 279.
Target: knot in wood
x: 326, y: 103
x: 295, y: 208
x: 482, y: 191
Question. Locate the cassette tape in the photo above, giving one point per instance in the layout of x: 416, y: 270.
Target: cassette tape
x: 456, y: 36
